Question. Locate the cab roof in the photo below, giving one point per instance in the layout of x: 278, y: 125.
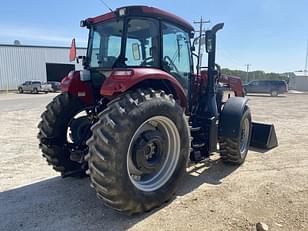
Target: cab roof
x: 143, y: 11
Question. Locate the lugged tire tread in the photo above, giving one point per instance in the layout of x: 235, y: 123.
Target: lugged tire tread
x: 102, y: 161
x: 50, y: 124
x: 229, y: 148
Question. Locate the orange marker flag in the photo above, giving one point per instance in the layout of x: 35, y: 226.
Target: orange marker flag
x: 73, y: 51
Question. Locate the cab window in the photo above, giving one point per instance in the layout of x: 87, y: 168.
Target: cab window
x: 176, y: 53
x: 106, y: 44
x: 142, y: 44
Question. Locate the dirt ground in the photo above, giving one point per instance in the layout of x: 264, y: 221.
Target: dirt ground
x: 270, y: 187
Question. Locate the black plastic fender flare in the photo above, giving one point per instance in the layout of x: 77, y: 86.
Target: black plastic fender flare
x: 230, y: 117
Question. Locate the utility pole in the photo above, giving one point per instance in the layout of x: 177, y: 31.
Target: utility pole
x: 247, y: 71
x: 201, y: 30
x: 306, y: 63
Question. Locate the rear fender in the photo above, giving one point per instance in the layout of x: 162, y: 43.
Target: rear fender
x: 73, y: 85
x: 117, y: 84
x: 231, y: 116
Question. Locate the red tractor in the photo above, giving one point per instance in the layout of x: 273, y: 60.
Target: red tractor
x: 137, y: 112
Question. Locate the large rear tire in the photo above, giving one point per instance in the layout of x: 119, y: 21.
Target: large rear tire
x: 54, y: 125
x: 234, y: 150
x: 138, y: 151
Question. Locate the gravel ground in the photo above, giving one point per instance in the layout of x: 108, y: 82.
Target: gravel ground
x: 271, y: 187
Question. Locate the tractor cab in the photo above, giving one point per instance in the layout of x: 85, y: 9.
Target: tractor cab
x: 139, y: 37
x: 136, y: 37
x: 137, y: 43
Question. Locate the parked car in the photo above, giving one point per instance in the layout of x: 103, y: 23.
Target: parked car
x: 46, y: 87
x: 272, y: 87
x: 34, y: 86
x: 55, y: 86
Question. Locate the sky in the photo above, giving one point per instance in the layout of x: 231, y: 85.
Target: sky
x: 271, y: 35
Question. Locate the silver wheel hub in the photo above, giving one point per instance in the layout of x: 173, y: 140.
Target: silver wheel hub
x: 153, y: 153
x: 244, y: 139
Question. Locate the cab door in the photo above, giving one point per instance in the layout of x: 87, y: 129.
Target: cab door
x: 176, y: 53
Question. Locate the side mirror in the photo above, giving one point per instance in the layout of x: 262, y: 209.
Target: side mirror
x: 209, y: 45
x: 192, y: 34
x: 73, y: 50
x: 136, y: 51
x: 211, y: 37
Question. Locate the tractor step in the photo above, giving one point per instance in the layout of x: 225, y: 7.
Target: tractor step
x: 195, y: 129
x: 198, y: 145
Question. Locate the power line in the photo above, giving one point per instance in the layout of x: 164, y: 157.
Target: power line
x: 201, y: 30
x: 306, y: 63
x: 105, y: 4
x: 201, y: 22
x: 229, y: 57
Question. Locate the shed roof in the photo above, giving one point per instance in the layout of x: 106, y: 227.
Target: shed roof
x: 38, y: 46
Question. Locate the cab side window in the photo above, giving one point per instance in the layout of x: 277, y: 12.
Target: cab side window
x: 176, y: 53
x: 142, y: 43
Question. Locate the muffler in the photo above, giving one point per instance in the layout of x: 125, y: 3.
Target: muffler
x: 263, y: 136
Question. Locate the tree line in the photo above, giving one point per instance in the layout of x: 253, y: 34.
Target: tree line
x: 257, y: 75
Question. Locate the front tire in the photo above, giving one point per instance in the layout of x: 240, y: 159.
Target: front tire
x: 234, y: 150
x: 138, y: 151
x: 20, y: 90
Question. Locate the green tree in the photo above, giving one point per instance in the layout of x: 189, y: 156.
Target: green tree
x: 257, y: 75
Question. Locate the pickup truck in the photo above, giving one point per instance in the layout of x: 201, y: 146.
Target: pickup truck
x: 34, y: 86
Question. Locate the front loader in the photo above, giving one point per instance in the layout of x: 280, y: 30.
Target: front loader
x: 137, y: 112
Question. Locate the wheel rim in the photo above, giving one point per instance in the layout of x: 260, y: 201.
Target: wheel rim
x: 244, y: 137
x: 77, y: 126
x: 153, y: 153
x: 274, y: 93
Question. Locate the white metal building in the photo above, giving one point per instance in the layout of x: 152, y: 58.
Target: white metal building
x: 21, y: 63
x: 299, y: 82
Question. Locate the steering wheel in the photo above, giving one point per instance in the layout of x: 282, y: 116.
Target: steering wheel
x: 171, y: 63
x: 146, y: 61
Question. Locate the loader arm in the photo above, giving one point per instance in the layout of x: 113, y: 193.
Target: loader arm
x: 235, y: 84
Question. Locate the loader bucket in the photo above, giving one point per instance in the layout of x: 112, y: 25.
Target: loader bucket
x: 263, y: 136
